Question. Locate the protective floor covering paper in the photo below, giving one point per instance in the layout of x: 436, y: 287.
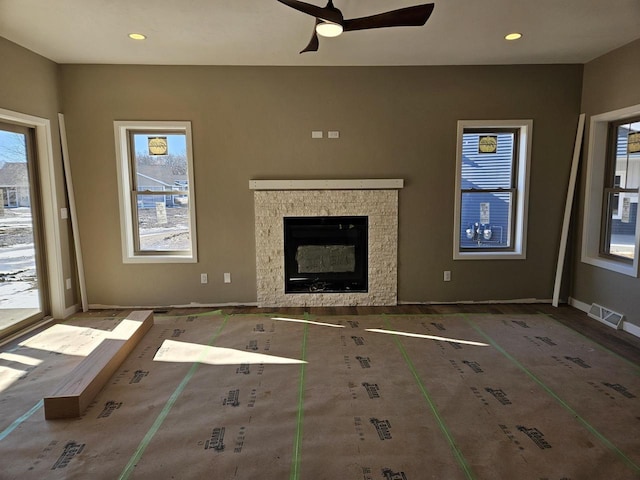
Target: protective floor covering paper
x: 397, y: 397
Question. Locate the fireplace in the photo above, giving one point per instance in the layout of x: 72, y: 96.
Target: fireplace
x: 326, y: 254
x: 374, y: 255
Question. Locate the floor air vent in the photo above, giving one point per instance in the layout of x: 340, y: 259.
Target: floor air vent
x: 606, y: 316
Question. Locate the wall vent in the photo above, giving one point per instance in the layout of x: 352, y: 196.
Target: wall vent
x: 606, y: 316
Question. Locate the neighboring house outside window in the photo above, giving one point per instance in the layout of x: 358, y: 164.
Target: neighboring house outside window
x: 492, y: 189
x: 155, y: 175
x: 14, y: 185
x: 610, y: 228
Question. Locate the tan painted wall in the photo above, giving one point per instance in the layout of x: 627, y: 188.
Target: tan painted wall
x: 256, y: 123
x: 29, y: 85
x: 610, y: 83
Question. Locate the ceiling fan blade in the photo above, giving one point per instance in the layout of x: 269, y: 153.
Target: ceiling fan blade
x: 329, y: 12
x: 314, y: 43
x: 405, y: 17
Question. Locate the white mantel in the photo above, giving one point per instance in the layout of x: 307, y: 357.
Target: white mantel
x: 375, y: 198
x: 334, y: 184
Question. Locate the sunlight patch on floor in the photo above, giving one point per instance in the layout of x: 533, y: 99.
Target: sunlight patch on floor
x: 428, y: 337
x: 309, y: 322
x: 67, y: 339
x: 8, y: 375
x: 181, y: 352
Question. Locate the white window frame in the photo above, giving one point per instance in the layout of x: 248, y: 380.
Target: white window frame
x: 592, y: 222
x: 123, y: 162
x: 523, y: 159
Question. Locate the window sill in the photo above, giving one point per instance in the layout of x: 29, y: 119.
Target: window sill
x: 489, y: 256
x: 161, y: 259
x: 608, y: 264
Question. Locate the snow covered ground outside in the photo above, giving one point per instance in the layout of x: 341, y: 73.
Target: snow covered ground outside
x: 18, y: 295
x: 18, y: 276
x: 18, y: 279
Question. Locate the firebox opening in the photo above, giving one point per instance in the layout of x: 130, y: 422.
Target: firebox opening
x: 326, y: 254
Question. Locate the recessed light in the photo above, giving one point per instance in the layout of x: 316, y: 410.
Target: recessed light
x: 137, y: 36
x: 513, y: 36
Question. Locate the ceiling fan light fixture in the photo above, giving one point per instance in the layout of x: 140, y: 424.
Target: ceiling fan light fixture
x: 137, y: 36
x: 328, y: 29
x: 329, y: 21
x: 513, y: 36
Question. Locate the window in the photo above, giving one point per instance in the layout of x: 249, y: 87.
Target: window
x: 155, y: 179
x: 610, y: 231
x: 491, y: 189
x: 622, y: 178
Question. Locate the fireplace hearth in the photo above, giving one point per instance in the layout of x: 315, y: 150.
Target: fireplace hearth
x: 326, y: 254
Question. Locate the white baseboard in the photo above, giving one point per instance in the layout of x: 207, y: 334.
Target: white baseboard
x: 585, y: 307
x: 479, y: 302
x: 631, y: 328
x: 70, y: 311
x: 98, y: 306
x: 626, y: 326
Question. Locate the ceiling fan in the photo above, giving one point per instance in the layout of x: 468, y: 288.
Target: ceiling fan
x: 331, y: 23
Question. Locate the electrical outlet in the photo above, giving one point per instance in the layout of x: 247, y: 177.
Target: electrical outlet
x: 447, y: 276
x: 204, y: 278
x: 227, y: 278
x: 68, y: 283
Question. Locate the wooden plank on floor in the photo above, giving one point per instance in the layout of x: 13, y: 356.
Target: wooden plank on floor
x: 84, y: 382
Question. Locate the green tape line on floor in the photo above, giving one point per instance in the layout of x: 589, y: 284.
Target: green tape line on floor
x: 454, y: 447
x: 128, y: 470
x: 634, y: 366
x: 18, y: 421
x: 296, y: 459
x: 553, y: 395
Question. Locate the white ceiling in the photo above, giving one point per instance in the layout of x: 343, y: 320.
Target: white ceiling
x: 265, y: 32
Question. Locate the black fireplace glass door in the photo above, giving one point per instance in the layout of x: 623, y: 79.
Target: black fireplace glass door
x: 326, y: 254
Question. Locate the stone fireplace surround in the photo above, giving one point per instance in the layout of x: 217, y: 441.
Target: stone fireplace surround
x: 374, y: 198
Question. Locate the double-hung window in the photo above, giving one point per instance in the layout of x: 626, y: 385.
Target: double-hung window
x: 622, y: 178
x: 155, y: 179
x: 491, y: 189
x: 610, y: 228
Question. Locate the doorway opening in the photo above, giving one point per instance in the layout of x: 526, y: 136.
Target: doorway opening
x: 22, y: 279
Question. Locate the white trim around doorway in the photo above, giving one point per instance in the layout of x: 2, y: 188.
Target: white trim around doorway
x: 44, y: 149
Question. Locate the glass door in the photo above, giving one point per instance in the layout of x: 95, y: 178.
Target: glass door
x: 22, y: 293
